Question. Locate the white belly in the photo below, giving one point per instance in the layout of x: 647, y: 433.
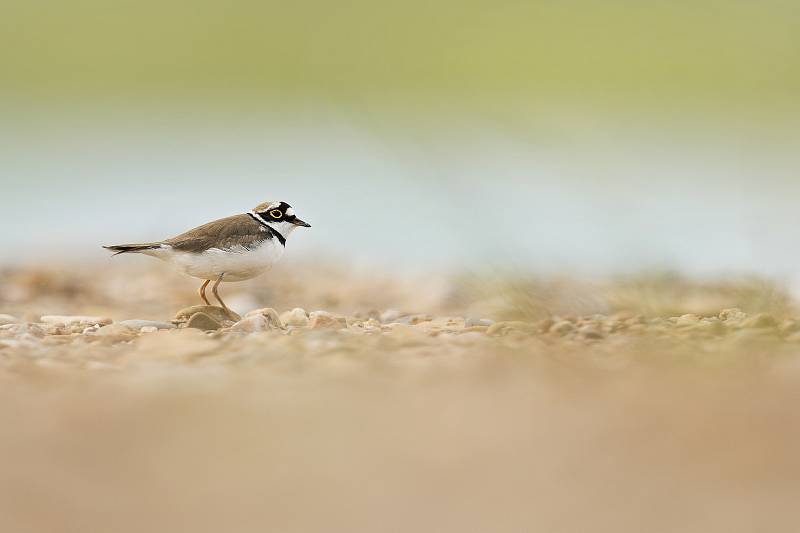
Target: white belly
x: 237, y: 264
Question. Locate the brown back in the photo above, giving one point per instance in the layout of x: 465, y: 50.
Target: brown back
x: 225, y: 233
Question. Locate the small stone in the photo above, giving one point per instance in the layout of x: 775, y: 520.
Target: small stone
x: 139, y: 324
x: 687, y: 320
x: 148, y: 329
x: 68, y: 320
x: 113, y: 333
x: 8, y: 319
x: 297, y: 317
x: 732, y: 314
x: 219, y: 314
x: 589, y: 331
x: 562, y: 328
x: 544, y: 325
x: 761, y: 320
x: 269, y: 314
x: 471, y: 322
x: 325, y: 320
x: 253, y: 324
x: 203, y: 321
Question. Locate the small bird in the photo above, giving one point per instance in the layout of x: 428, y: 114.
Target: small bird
x: 234, y: 248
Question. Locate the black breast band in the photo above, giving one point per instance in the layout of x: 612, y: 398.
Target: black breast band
x: 272, y: 231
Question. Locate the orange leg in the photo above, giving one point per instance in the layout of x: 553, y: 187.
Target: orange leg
x: 203, y: 291
x: 214, y: 290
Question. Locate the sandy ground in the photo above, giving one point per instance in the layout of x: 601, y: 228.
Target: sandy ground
x: 574, y: 407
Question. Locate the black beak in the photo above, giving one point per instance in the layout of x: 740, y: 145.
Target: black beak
x: 298, y: 222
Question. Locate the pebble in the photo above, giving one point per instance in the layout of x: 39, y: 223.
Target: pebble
x: 562, y: 327
x: 203, y: 322
x: 114, y: 333
x: 732, y: 314
x: 217, y: 313
x: 253, y: 324
x: 67, y: 320
x: 201, y: 332
x: 325, y: 320
x: 472, y: 322
x: 8, y: 319
x: 372, y: 324
x: 590, y: 331
x: 297, y: 317
x: 269, y: 314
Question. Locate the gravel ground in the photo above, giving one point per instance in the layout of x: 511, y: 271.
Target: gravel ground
x: 419, y: 404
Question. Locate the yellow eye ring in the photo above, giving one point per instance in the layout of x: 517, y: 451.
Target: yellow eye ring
x: 276, y: 213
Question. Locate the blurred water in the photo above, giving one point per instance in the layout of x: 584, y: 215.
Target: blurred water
x: 590, y: 196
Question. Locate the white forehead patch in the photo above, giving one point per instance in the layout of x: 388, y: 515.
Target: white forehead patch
x: 290, y: 212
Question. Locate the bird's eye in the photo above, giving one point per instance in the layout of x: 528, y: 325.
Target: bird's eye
x: 276, y: 213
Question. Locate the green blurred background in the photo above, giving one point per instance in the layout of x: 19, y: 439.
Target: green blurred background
x: 463, y: 55
x: 592, y: 136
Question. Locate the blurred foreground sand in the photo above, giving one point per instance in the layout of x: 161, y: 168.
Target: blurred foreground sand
x: 627, y: 421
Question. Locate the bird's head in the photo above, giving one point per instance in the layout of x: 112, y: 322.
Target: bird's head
x: 279, y: 216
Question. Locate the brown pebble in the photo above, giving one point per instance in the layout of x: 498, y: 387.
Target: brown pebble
x: 203, y: 321
x: 217, y: 313
x: 325, y: 320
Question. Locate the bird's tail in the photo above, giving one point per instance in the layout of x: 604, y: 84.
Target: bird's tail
x: 133, y: 248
